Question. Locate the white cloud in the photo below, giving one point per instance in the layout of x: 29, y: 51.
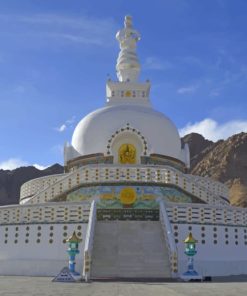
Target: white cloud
x: 187, y: 89
x: 71, y: 120
x: 153, y: 63
x: 13, y: 163
x: 213, y: 130
x: 55, y: 28
x: 215, y: 93
x: 68, y: 123
x: 61, y: 128
x: 40, y: 167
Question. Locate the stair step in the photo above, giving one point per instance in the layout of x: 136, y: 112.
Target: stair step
x: 129, y: 249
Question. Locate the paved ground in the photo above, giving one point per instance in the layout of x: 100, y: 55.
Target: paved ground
x: 26, y: 286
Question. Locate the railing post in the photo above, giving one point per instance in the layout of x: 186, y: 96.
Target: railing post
x: 89, y: 243
x: 169, y: 238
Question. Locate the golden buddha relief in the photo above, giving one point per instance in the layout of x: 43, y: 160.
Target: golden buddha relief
x: 127, y: 154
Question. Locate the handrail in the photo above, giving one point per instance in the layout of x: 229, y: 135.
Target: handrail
x: 59, y: 212
x: 32, y: 198
x: 89, y: 242
x: 31, y: 187
x: 169, y: 238
x: 177, y: 213
x: 106, y: 174
x: 206, y: 214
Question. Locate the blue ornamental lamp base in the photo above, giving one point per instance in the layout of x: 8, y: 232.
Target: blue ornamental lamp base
x: 75, y: 273
x: 192, y: 278
x: 191, y: 275
x: 65, y: 275
x: 190, y: 251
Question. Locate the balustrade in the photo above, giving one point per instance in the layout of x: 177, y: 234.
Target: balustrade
x: 45, y: 213
x: 33, y: 186
x: 170, y: 241
x: 205, y: 214
x: 103, y: 174
x: 89, y: 242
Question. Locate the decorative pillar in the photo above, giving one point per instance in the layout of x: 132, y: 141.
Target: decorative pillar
x: 190, y: 251
x: 68, y: 274
x: 73, y: 249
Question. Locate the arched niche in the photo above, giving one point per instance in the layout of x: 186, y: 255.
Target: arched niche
x: 127, y: 148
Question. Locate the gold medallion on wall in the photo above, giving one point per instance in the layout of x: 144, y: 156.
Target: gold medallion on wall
x: 127, y: 154
x: 128, y: 196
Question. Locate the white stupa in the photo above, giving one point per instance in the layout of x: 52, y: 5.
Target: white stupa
x: 127, y: 194
x: 129, y: 111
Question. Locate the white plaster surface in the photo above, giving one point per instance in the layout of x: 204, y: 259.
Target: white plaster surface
x: 212, y: 259
x: 93, y: 132
x: 37, y: 259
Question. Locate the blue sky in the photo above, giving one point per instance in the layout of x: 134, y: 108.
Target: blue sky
x: 55, y: 56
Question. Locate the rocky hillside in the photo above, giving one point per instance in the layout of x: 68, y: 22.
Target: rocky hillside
x: 225, y: 161
x: 11, y: 181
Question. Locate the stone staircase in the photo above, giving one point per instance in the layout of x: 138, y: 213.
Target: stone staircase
x: 129, y: 249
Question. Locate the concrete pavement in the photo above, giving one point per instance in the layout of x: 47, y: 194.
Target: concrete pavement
x: 27, y: 286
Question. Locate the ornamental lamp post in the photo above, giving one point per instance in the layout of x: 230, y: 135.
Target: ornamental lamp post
x: 73, y: 250
x: 190, y: 251
x: 190, y: 245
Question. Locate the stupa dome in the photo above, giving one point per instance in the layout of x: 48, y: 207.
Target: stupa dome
x: 94, y: 131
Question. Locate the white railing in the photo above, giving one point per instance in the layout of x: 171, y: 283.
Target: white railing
x: 48, y: 193
x: 210, y: 185
x: 170, y: 241
x: 89, y: 242
x: 33, y: 186
x: 206, y: 214
x: 104, y: 174
x: 45, y: 213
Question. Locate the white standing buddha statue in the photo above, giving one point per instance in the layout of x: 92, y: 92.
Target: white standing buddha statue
x: 128, y: 66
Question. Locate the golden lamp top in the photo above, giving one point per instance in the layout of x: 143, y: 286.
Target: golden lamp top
x: 73, y: 238
x: 190, y: 239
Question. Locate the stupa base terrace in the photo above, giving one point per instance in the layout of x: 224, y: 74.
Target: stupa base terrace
x: 143, y: 239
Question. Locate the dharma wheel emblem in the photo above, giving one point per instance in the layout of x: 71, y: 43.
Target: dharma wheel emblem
x: 128, y: 196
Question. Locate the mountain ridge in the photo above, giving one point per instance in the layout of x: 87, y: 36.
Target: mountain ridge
x: 11, y: 181
x: 224, y: 161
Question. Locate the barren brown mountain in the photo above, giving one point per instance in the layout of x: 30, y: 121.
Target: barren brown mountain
x: 225, y: 161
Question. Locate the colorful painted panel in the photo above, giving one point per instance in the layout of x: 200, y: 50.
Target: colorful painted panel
x: 139, y: 197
